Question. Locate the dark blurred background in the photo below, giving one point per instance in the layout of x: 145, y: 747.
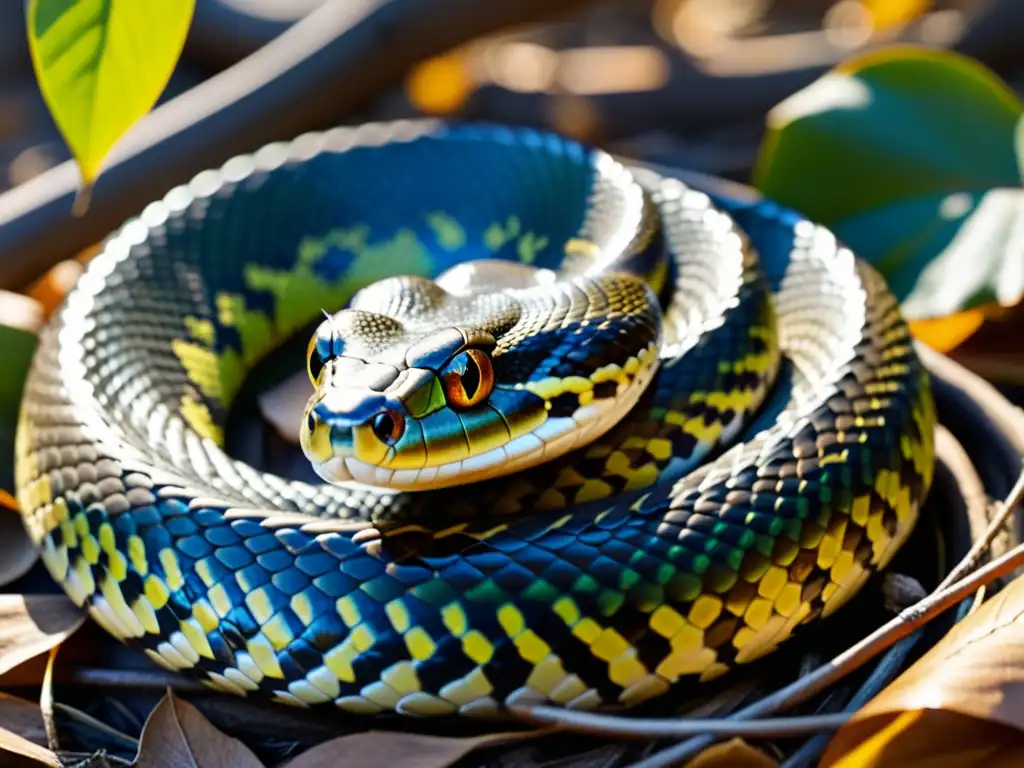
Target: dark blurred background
x: 683, y: 80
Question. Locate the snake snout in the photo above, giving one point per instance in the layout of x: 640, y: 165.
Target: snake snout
x: 318, y: 436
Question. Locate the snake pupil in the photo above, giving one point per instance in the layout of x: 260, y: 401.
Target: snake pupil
x: 388, y: 427
x: 471, y: 377
x: 468, y: 379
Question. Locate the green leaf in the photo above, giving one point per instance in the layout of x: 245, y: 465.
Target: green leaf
x: 897, y: 152
x: 102, y: 64
x: 20, y: 320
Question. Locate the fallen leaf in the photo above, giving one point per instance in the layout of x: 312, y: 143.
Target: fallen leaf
x: 15, y: 750
x: 17, y: 552
x: 31, y: 625
x: 929, y: 739
x: 735, y: 753
x: 176, y: 734
x: 947, y: 333
x: 386, y: 749
x: 23, y: 718
x: 975, y: 672
x: 22, y: 734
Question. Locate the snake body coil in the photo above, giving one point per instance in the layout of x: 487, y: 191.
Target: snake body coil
x: 676, y: 472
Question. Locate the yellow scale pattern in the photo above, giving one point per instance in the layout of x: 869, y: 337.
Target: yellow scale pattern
x: 761, y: 608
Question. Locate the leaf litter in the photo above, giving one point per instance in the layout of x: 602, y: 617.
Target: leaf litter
x: 969, y: 686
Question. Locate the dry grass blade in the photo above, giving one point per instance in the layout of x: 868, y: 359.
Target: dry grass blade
x: 383, y: 749
x: 22, y: 735
x: 176, y: 735
x: 31, y: 625
x: 735, y: 753
x: 977, y: 669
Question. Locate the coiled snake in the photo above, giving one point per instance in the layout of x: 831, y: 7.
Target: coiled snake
x: 660, y: 430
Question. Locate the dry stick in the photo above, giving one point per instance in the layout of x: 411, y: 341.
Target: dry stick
x: 908, y: 620
x: 659, y: 728
x: 1004, y: 509
x: 133, y: 678
x: 86, y: 719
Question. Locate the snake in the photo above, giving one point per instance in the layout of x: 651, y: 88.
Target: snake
x: 578, y: 431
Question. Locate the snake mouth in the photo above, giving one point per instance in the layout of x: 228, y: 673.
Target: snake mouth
x: 555, y: 437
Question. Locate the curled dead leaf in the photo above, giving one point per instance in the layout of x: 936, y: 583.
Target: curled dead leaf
x: 177, y: 734
x: 23, y: 717
x: 970, y: 681
x: 31, y: 625
x: 735, y: 753
x: 384, y: 749
x: 944, y: 334
x: 929, y: 739
x: 17, y: 553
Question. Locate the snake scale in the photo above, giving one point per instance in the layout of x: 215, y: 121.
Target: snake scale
x: 591, y: 433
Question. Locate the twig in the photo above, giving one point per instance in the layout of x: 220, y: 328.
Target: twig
x: 880, y: 676
x: 138, y: 678
x: 659, y: 728
x: 885, y: 636
x: 1003, y: 512
x: 87, y: 719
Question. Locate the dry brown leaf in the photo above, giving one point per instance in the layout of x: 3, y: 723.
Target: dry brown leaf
x: 927, y: 739
x: 176, y: 734
x: 33, y: 624
x: 17, y: 553
x: 23, y: 718
x: 16, y: 752
x: 386, y: 749
x: 735, y: 753
x: 22, y: 734
x: 976, y: 670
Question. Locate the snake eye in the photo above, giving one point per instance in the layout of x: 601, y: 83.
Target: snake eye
x: 468, y: 379
x: 388, y: 426
x: 314, y: 362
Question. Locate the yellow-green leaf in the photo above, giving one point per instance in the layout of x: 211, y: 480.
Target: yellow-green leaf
x: 102, y: 64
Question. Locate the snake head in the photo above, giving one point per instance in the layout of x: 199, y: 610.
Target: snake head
x: 405, y: 398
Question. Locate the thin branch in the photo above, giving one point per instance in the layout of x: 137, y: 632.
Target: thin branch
x: 659, y: 728
x: 135, y: 678
x: 1004, y: 510
x: 86, y: 719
